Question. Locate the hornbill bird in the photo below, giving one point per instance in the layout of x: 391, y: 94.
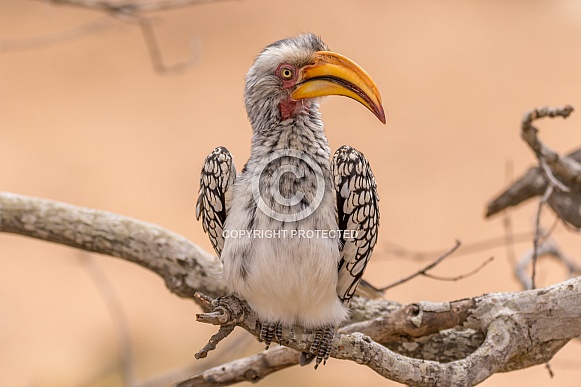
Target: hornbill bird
x: 294, y: 230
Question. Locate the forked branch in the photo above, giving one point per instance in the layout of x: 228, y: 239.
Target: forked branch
x: 521, y: 329
x: 518, y: 335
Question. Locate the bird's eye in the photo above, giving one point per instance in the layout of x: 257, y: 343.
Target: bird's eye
x: 286, y: 73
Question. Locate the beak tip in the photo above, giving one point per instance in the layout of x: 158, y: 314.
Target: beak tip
x: 381, y: 114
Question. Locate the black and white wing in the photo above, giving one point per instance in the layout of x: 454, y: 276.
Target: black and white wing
x: 358, y: 216
x: 216, y: 182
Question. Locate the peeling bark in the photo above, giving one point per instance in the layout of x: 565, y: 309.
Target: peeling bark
x: 422, y: 344
x: 521, y: 329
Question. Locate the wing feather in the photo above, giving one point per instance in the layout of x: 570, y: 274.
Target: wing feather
x: 216, y: 181
x: 358, y: 216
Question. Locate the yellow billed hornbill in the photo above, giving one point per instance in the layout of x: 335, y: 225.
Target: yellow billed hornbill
x: 294, y: 230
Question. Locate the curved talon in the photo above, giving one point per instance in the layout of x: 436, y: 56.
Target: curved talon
x: 327, y: 344
x: 270, y: 331
x: 316, y: 342
x: 320, y: 348
x: 259, y: 329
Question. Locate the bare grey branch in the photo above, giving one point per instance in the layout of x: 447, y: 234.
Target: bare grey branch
x: 183, y: 265
x: 521, y: 329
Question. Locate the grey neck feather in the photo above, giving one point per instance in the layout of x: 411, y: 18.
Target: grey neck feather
x: 303, y: 132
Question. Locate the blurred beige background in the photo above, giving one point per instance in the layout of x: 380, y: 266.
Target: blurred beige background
x: 88, y: 121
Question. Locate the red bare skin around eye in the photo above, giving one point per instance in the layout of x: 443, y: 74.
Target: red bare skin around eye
x: 288, y: 106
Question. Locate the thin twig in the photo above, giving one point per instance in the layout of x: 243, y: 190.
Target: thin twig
x: 467, y: 248
x: 425, y: 269
x: 538, y: 232
x: 548, y: 249
x: 507, y: 221
x: 461, y: 276
x: 546, y: 235
x: 223, y: 332
x: 552, y: 179
x: 21, y: 44
x: 149, y: 36
x: 130, y: 6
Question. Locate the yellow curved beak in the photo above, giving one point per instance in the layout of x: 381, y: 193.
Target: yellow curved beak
x: 334, y: 74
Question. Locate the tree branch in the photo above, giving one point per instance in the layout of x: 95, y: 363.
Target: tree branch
x: 522, y: 329
x: 561, y: 172
x: 249, y: 369
x: 448, y: 345
x: 565, y: 167
x: 185, y: 267
x: 488, y: 359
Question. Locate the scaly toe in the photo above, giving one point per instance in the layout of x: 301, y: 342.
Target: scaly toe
x: 278, y: 333
x: 267, y: 333
x: 322, y: 344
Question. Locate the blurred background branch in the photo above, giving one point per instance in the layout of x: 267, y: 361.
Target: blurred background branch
x: 124, y: 11
x: 123, y: 7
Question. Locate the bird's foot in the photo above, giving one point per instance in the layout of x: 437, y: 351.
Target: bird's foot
x: 270, y: 331
x: 320, y: 348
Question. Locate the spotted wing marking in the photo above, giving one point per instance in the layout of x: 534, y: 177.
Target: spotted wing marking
x: 216, y: 182
x: 358, y: 215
